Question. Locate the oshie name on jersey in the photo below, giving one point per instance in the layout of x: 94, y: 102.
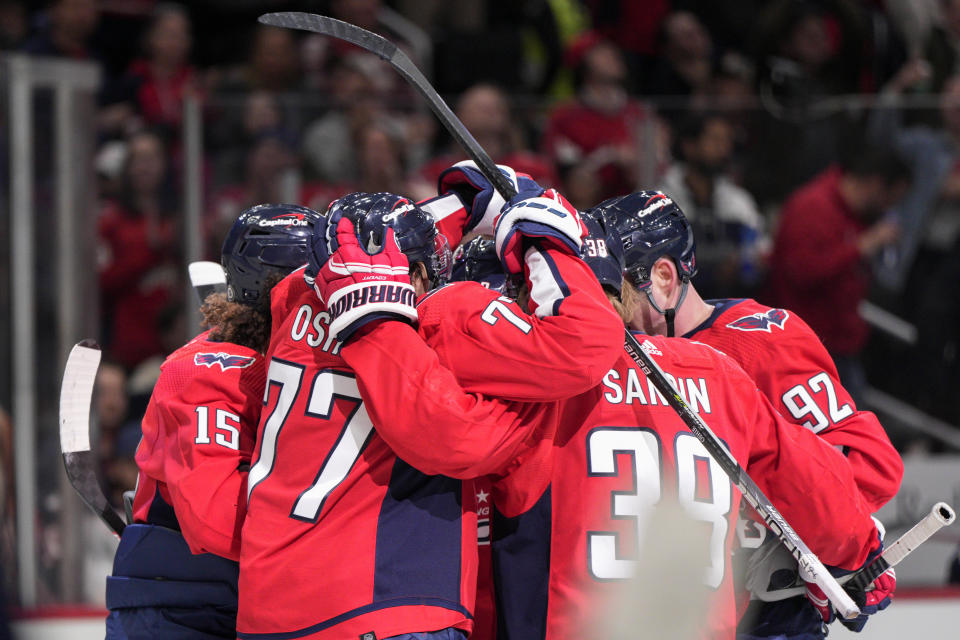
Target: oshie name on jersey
x: 693, y: 390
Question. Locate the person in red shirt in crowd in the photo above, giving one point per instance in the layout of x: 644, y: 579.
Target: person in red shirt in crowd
x: 175, y: 573
x: 829, y: 230
x: 161, y: 79
x: 602, y: 125
x: 575, y: 502
x: 139, y: 256
x: 787, y: 363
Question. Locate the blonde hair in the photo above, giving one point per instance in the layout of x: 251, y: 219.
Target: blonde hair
x: 626, y: 303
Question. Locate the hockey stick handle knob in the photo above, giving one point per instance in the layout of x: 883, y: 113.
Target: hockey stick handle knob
x: 813, y: 570
x: 941, y: 515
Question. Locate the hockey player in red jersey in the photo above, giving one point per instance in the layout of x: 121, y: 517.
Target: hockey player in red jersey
x: 198, y: 435
x: 343, y: 537
x: 790, y: 366
x: 577, y: 497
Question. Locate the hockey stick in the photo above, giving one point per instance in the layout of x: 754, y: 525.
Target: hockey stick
x: 811, y: 566
x: 941, y: 515
x: 206, y: 277
x: 76, y: 393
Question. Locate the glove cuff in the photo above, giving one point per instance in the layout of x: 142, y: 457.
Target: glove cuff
x: 349, y: 304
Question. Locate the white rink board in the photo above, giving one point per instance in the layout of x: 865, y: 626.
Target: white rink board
x: 917, y: 619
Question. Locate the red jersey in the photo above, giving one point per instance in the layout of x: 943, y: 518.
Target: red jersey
x: 816, y: 268
x: 198, y: 430
x: 348, y: 534
x: 552, y: 562
x: 793, y: 370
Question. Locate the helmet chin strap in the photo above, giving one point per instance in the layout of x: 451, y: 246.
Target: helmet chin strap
x: 671, y: 313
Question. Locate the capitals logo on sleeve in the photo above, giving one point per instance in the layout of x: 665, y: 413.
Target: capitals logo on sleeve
x: 225, y: 360
x: 761, y: 321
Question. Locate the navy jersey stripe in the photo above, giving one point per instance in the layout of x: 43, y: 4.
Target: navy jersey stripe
x: 374, y: 606
x: 419, y: 534
x: 521, y: 571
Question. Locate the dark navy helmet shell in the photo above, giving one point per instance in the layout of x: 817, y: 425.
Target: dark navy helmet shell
x: 414, y: 229
x: 651, y: 226
x: 266, y: 240
x: 477, y: 261
x: 602, y: 249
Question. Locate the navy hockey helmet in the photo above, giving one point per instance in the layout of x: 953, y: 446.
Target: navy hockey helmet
x: 602, y: 249
x: 414, y: 229
x: 266, y: 240
x: 477, y: 261
x: 651, y: 226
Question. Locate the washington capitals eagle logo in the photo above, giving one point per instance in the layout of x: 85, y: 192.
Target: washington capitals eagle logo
x: 225, y: 360
x: 761, y: 321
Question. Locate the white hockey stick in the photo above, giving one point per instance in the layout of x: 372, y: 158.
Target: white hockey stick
x: 940, y: 516
x: 207, y: 277
x: 76, y: 393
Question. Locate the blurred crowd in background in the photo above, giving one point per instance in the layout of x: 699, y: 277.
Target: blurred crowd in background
x: 842, y: 116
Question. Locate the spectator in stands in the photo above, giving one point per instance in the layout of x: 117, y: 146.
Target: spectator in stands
x: 357, y: 96
x: 829, y: 230
x: 731, y: 240
x: 601, y: 125
x: 66, y: 31
x: 13, y: 25
x: 158, y: 82
x: 111, y: 408
x: 940, y: 49
x: 273, y: 63
x: 140, y: 262
x: 233, y: 133
x: 485, y: 111
x: 685, y: 64
x: 806, y: 52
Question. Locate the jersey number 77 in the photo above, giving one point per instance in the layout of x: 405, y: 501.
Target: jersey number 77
x: 326, y: 386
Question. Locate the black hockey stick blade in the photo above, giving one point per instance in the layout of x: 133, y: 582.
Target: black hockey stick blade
x: 76, y: 393
x: 389, y: 51
x: 206, y: 277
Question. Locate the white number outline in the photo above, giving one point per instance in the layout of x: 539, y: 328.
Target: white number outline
x: 819, y: 382
x: 489, y: 315
x: 600, y: 542
x: 326, y: 387
x: 222, y: 415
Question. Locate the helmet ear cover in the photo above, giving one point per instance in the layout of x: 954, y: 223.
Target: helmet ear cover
x: 266, y: 241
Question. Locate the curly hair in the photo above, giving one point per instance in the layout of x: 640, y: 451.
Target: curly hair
x: 241, y: 324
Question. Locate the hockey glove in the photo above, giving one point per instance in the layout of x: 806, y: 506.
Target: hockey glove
x: 876, y: 597
x: 357, y: 286
x: 480, y: 200
x: 549, y: 218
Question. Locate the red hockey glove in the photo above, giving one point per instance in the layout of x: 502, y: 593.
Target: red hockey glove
x: 357, y: 286
x: 548, y: 218
x: 876, y: 597
x: 480, y: 200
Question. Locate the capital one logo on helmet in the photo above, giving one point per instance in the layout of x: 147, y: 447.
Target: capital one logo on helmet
x: 282, y: 220
x: 399, y: 211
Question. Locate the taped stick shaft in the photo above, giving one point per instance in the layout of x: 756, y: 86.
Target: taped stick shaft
x: 940, y: 516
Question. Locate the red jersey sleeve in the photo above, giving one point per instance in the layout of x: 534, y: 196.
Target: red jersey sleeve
x: 794, y: 371
x: 207, y: 407
x: 808, y: 480
x: 441, y: 429
x: 496, y: 348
